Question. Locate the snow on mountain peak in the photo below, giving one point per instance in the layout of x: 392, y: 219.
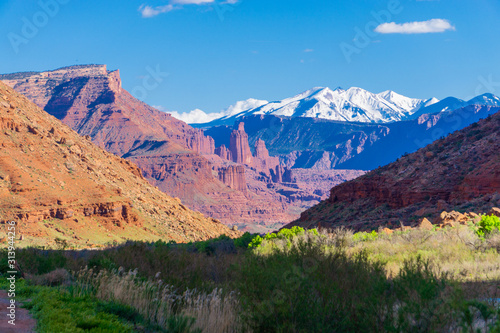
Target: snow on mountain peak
x: 353, y: 104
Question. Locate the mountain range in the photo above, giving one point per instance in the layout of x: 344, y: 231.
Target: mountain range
x: 312, y: 143
x: 351, y: 105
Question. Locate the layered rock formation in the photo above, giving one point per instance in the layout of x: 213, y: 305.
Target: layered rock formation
x: 262, y: 161
x: 261, y: 151
x: 234, y: 177
x: 224, y: 153
x: 240, y: 150
x: 457, y: 172
x: 90, y: 99
x: 56, y: 184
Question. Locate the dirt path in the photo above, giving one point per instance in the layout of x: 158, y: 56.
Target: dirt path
x: 24, y: 322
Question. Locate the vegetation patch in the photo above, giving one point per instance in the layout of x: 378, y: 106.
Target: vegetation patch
x: 294, y: 280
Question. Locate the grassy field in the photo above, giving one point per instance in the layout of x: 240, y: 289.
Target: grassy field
x: 445, y: 280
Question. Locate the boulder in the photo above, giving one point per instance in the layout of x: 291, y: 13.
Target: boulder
x: 425, y: 224
x: 494, y: 211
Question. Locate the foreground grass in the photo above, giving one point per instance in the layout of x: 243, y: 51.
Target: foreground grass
x: 412, y: 281
x: 56, y: 310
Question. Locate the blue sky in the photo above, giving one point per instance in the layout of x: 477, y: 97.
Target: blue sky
x: 212, y: 53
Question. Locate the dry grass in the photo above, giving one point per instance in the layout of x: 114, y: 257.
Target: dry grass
x: 213, y: 312
x: 456, y: 251
x: 57, y: 277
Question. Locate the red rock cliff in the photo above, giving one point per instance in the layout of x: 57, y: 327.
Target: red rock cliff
x: 234, y: 177
x: 240, y: 150
x: 223, y: 153
x: 262, y: 161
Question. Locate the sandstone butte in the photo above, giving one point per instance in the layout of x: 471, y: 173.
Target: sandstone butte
x: 227, y: 183
x: 460, y: 172
x: 59, y: 185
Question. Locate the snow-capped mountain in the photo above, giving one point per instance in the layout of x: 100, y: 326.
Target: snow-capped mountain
x: 199, y: 116
x: 485, y: 99
x: 452, y: 103
x: 353, y: 104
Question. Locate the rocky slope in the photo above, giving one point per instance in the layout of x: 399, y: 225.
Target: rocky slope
x: 57, y: 184
x: 460, y: 172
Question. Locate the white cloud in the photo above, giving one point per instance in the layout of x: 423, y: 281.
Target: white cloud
x: 308, y: 50
x: 423, y: 27
x: 198, y: 116
x: 148, y: 11
x: 151, y: 11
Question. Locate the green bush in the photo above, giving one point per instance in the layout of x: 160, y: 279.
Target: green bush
x: 487, y: 225
x: 307, y: 289
x: 287, y: 234
x: 365, y: 236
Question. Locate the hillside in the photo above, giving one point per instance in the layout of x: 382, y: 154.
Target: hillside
x: 460, y: 172
x: 57, y: 184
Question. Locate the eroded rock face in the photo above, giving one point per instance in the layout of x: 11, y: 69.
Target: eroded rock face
x: 261, y: 151
x: 171, y: 154
x: 262, y: 161
x: 200, y: 143
x: 90, y: 99
x: 240, y: 150
x: 278, y: 174
x: 234, y: 177
x: 458, y: 171
x: 55, y: 183
x: 224, y: 153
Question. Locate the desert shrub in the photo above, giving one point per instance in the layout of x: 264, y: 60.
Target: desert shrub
x: 476, y: 314
x: 365, y: 236
x: 217, y: 246
x: 426, y: 300
x: 493, y: 241
x: 36, y: 261
x: 283, y: 234
x: 244, y: 240
x: 306, y: 288
x: 487, y: 225
x: 342, y: 237
x: 101, y: 261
